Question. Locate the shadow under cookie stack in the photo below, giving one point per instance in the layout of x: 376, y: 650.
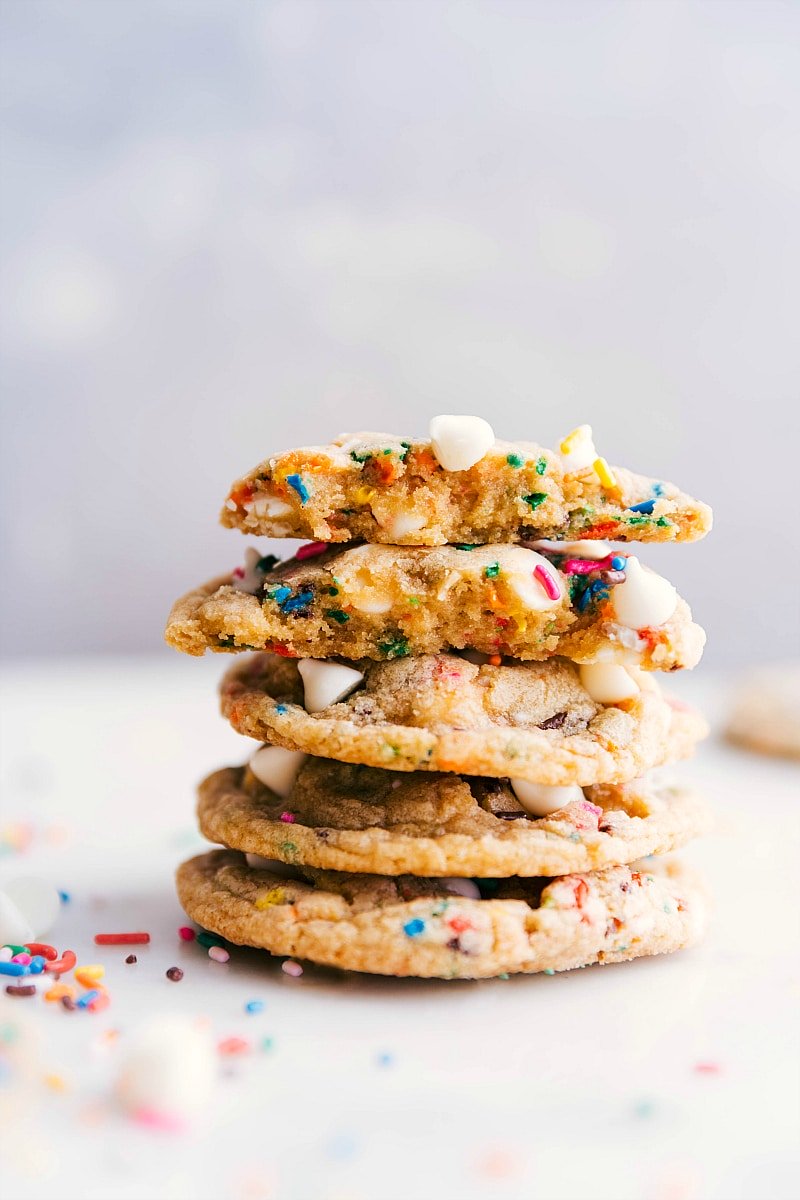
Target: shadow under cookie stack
x: 453, y: 688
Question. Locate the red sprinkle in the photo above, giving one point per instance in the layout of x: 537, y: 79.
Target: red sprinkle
x: 48, y: 952
x: 60, y: 965
x: 311, y: 550
x: 121, y: 939
x: 548, y: 583
x: 186, y: 933
x: 233, y: 1045
x: 288, y: 817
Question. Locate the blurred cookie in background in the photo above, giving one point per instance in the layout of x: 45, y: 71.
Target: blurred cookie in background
x: 766, y: 711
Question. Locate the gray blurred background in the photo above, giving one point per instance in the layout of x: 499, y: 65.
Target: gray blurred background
x: 228, y: 228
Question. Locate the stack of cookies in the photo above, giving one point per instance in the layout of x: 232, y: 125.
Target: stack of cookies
x: 453, y: 687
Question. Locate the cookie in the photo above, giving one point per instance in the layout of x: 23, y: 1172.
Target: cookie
x: 404, y: 925
x: 532, y: 721
x: 766, y: 713
x: 378, y: 488
x: 342, y: 817
x: 366, y: 601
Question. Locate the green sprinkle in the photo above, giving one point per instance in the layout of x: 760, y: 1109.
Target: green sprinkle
x: 337, y: 615
x: 505, y: 975
x: 535, y: 499
x: 267, y: 1043
x: 333, y: 591
x: 549, y: 971
x: 360, y: 458
x: 465, y: 545
x: 638, y: 520
x: 389, y: 451
x: 492, y: 571
x: 406, y: 447
x: 226, y: 641
x: 204, y: 938
x: 515, y: 460
x: 397, y: 648
x: 541, y: 465
x: 663, y: 522
x: 288, y: 848
x: 413, y: 600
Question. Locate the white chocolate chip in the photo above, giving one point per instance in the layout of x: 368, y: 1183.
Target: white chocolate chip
x: 539, y: 800
x: 37, y: 900
x: 399, y: 524
x: 15, y: 928
x: 644, y: 599
x: 518, y: 570
x: 460, y: 442
x: 250, y: 579
x: 277, y: 768
x: 461, y: 887
x: 170, y: 1069
x: 586, y: 549
x: 580, y: 452
x: 607, y: 683
x: 263, y: 504
x: 356, y: 582
x: 326, y: 683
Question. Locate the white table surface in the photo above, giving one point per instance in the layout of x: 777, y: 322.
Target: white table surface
x: 589, y: 1085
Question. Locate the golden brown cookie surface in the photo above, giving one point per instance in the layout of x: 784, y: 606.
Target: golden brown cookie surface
x: 532, y: 721
x: 410, y: 926
x: 380, y: 488
x: 343, y: 817
x: 366, y: 601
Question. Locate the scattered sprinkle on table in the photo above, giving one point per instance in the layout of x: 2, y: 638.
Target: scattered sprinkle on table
x: 218, y: 953
x: 186, y: 933
x: 175, y: 974
x: 131, y: 958
x: 21, y: 989
x: 121, y: 939
x: 292, y: 968
x: 254, y: 1006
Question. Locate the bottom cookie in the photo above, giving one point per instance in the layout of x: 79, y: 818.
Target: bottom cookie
x: 405, y: 925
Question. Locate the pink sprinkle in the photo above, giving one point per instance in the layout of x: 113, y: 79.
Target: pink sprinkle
x: 186, y: 933
x: 583, y: 566
x: 548, y: 583
x: 238, y: 573
x: 707, y: 1068
x: 292, y: 968
x: 165, y: 1121
x: 22, y: 957
x: 218, y: 953
x: 592, y: 808
x: 288, y: 817
x: 311, y: 550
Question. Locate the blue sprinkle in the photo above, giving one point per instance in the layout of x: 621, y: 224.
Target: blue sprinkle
x: 36, y: 964
x: 658, y: 489
x: 413, y: 928
x: 301, y: 600
x: 87, y: 998
x: 618, y: 563
x: 64, y: 897
x: 296, y: 482
x: 280, y: 594
x: 646, y: 506
x: 281, y: 709
x: 11, y: 968
x: 254, y: 1006
x: 385, y: 1059
x: 583, y: 599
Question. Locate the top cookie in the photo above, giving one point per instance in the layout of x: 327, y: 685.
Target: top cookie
x: 379, y: 488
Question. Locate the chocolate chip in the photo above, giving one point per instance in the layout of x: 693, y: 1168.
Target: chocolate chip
x: 554, y: 722
x: 454, y: 944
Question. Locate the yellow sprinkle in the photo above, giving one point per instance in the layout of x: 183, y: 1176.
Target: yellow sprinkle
x: 88, y: 976
x: 59, y: 990
x: 57, y: 1082
x: 274, y: 896
x: 604, y: 473
x: 570, y: 440
x: 363, y: 495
